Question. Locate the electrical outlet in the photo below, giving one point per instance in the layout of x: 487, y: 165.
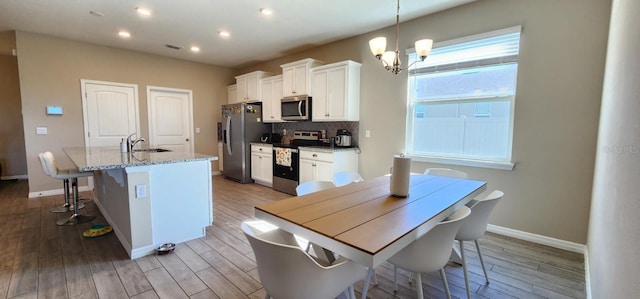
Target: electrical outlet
x: 141, y: 191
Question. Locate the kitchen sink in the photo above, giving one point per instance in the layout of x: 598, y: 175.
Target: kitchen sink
x: 152, y: 150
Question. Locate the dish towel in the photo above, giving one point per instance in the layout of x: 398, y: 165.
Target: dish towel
x: 283, y: 156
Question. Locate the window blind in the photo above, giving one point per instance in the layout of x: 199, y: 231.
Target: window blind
x: 491, y: 48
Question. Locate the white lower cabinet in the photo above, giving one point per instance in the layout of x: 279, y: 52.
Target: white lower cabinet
x: 321, y: 165
x: 261, y: 164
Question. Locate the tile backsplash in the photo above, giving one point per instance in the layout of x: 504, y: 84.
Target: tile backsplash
x: 330, y: 127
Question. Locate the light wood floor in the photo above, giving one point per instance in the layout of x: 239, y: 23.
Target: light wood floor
x: 42, y: 260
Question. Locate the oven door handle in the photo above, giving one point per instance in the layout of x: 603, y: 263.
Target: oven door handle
x: 293, y: 150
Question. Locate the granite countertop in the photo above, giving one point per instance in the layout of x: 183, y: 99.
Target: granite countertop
x: 317, y: 148
x: 327, y: 149
x: 102, y: 158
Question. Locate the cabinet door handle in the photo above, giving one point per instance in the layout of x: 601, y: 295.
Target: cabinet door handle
x: 314, y: 155
x: 260, y: 150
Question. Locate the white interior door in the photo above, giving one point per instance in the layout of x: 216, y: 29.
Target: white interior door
x: 110, y: 112
x: 170, y: 118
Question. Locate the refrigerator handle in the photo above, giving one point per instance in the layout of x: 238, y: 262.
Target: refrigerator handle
x: 227, y: 134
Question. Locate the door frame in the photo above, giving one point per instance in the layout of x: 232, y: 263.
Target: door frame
x: 151, y: 114
x: 84, y: 96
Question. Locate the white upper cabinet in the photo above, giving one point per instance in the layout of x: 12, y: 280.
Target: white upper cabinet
x: 232, y: 94
x: 271, y: 96
x: 295, y: 75
x: 249, y: 86
x: 336, y: 91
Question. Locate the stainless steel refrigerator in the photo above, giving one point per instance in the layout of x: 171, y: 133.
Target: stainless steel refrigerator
x: 242, y: 124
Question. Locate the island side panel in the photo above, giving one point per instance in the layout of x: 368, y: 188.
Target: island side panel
x: 111, y: 197
x: 140, y: 216
x: 181, y: 201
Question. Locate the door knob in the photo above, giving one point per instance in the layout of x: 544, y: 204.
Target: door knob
x: 187, y: 140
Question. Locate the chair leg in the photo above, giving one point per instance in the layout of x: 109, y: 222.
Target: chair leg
x: 464, y: 266
x: 76, y: 217
x: 486, y: 277
x: 67, y: 206
x: 446, y: 284
x: 419, y: 286
x: 395, y: 279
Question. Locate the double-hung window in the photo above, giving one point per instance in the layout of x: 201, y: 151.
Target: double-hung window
x: 461, y: 101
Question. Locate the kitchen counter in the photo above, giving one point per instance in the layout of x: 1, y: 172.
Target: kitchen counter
x: 102, y: 158
x: 150, y: 198
x: 317, y: 148
x: 327, y: 149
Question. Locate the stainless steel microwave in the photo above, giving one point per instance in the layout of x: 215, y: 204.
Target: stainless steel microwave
x: 296, y: 108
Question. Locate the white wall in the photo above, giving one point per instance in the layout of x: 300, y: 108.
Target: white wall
x: 614, y: 231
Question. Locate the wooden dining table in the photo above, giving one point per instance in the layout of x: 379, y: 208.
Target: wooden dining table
x: 364, y: 222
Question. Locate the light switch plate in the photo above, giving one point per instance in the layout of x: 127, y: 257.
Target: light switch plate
x: 42, y: 131
x: 141, y: 191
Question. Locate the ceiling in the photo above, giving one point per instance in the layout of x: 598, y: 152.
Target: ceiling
x: 294, y: 25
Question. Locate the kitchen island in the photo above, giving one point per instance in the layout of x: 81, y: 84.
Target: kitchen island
x: 150, y: 198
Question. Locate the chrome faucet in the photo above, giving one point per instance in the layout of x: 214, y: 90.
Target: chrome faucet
x: 132, y: 143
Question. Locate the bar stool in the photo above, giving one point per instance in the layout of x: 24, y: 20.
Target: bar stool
x: 48, y: 162
x: 67, y: 206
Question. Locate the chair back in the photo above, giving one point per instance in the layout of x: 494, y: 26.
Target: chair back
x: 346, y: 177
x: 446, y: 172
x: 286, y: 271
x: 475, y: 225
x: 431, y: 251
x: 313, y: 186
x: 48, y: 163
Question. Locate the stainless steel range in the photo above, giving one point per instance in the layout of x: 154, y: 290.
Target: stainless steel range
x: 286, y: 169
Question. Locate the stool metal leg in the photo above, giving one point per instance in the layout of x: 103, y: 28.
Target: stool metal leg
x: 67, y: 206
x: 76, y: 217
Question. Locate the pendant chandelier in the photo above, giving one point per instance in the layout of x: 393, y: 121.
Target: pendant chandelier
x: 390, y: 59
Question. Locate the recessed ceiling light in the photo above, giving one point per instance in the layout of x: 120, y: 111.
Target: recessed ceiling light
x: 224, y: 33
x: 195, y: 49
x: 96, y: 13
x: 266, y: 11
x: 143, y: 11
x: 124, y: 34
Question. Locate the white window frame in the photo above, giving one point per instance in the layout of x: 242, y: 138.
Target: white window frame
x: 458, y: 159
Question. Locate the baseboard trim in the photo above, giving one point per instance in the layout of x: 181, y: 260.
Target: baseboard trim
x: 55, y: 192
x: 216, y: 172
x: 587, y: 275
x: 540, y: 239
x: 14, y: 177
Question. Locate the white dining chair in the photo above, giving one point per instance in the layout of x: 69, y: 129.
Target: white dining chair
x: 430, y: 252
x: 446, y: 172
x: 48, y: 163
x: 313, y: 186
x: 474, y: 227
x: 287, y: 272
x: 346, y: 177
x: 308, y: 188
